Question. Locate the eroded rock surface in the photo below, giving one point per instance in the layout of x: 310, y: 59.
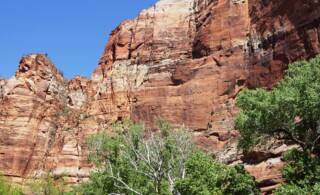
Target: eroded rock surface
x: 29, y: 106
x: 184, y: 60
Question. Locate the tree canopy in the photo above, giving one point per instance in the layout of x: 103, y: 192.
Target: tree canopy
x: 291, y: 111
x: 137, y: 161
x: 204, y: 176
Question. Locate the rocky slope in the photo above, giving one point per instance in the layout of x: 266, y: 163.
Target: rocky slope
x: 184, y: 60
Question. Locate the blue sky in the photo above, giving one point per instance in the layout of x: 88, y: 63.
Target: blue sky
x: 72, y: 32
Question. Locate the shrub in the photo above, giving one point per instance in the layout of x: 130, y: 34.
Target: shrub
x: 8, y: 189
x: 47, y: 184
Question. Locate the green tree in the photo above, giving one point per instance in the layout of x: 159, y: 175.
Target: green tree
x: 291, y: 111
x: 136, y: 161
x: 204, y: 176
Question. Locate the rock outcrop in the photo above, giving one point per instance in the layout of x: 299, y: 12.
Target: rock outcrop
x: 184, y: 60
x: 30, y: 105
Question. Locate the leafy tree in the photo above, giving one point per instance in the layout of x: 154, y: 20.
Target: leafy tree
x: 8, y: 189
x: 291, y: 111
x: 136, y: 161
x: 204, y: 176
x: 302, y: 174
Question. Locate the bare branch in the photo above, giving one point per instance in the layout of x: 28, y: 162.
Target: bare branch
x: 315, y: 142
x: 125, y: 186
x: 291, y: 135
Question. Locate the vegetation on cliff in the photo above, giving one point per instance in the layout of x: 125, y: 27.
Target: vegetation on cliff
x: 290, y: 112
x: 47, y: 184
x: 302, y: 174
x: 7, y: 188
x: 138, y: 161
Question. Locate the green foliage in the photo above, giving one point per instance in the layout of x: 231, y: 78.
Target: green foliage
x: 8, y: 189
x: 302, y: 174
x: 136, y: 161
x: 204, y: 176
x: 291, y: 111
x: 99, y: 184
x: 103, y: 147
x: 291, y: 189
x: 47, y: 184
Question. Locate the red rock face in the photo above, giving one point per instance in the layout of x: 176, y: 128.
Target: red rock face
x: 187, y: 72
x: 184, y: 60
x: 164, y: 31
x: 39, y: 122
x: 281, y: 32
x: 232, y: 45
x: 29, y: 107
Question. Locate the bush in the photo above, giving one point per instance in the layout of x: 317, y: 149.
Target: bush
x: 47, y: 184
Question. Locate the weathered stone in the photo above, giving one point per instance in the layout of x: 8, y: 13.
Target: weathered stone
x: 184, y: 60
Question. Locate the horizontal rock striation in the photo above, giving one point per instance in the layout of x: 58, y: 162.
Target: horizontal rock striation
x: 183, y: 60
x: 29, y: 107
x: 281, y: 32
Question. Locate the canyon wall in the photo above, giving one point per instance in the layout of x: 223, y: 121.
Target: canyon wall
x: 183, y: 60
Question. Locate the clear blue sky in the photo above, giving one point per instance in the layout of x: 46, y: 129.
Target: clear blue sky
x: 72, y: 32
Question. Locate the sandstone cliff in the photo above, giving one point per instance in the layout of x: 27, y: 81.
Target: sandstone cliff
x: 184, y: 60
